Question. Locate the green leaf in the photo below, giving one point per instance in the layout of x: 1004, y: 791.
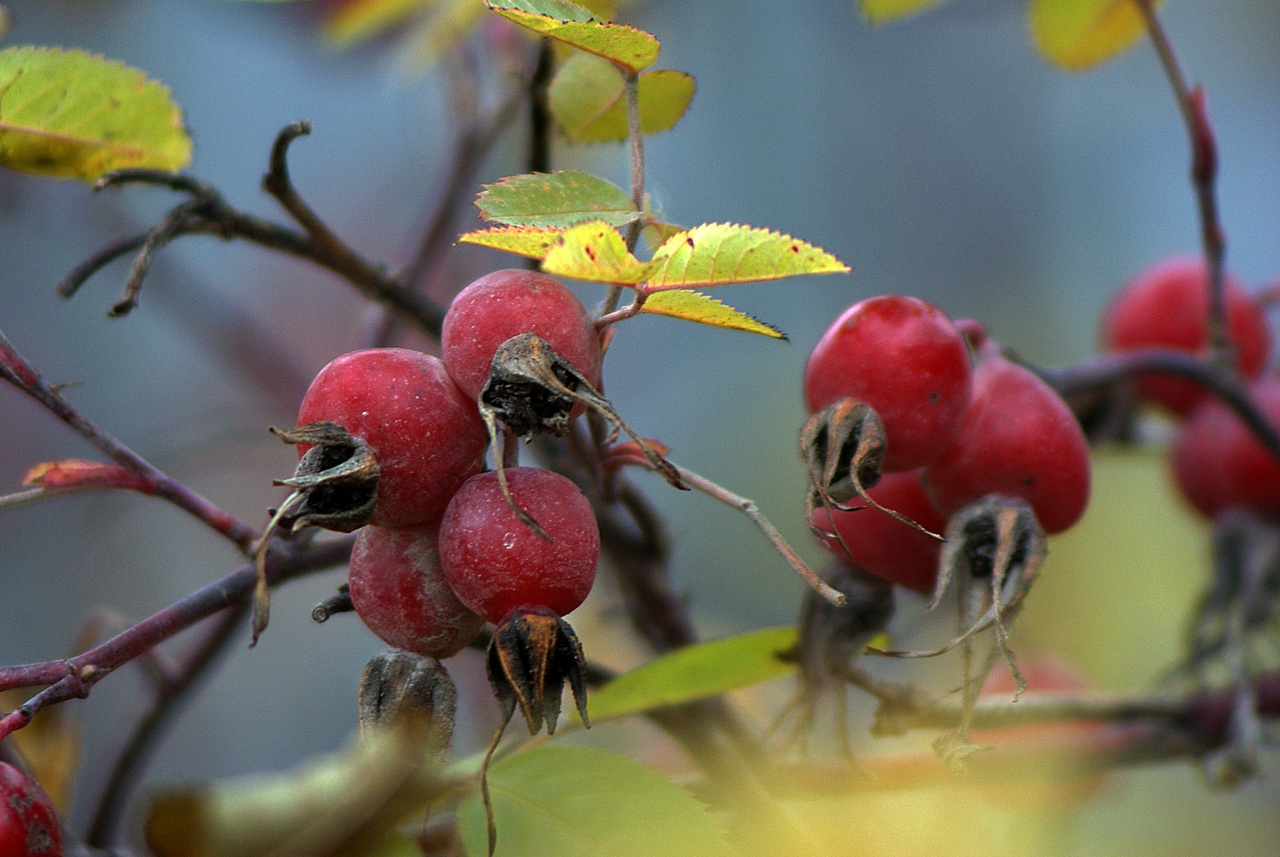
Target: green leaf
x: 563, y: 801
x: 696, y: 672
x: 627, y: 47
x: 343, y: 805
x: 717, y: 254
x: 521, y: 240
x: 880, y: 11
x: 597, y: 253
x: 555, y: 200
x: 586, y: 98
x: 704, y: 309
x: 1078, y: 34
x: 69, y: 114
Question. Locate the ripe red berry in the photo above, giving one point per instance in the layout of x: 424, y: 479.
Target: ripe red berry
x: 905, y: 359
x: 496, y: 563
x: 507, y: 303
x: 883, y: 545
x: 1218, y: 462
x: 426, y: 435
x: 1167, y: 306
x: 28, y: 821
x: 1019, y: 439
x: 1051, y: 791
x: 399, y: 591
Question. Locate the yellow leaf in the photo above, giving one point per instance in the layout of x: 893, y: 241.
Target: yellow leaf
x: 594, y: 252
x: 522, y: 240
x: 570, y: 23
x: 880, y: 11
x: 704, y: 309
x: 718, y: 254
x: 360, y: 20
x: 1079, y: 34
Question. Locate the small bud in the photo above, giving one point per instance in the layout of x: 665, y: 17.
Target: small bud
x: 401, y: 689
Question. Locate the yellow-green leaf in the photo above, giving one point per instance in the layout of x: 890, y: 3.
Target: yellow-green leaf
x: 717, y: 254
x: 656, y: 232
x: 696, y: 672
x: 440, y: 32
x: 704, y: 309
x: 1078, y: 34
x: 69, y: 114
x: 572, y: 24
x: 586, y: 99
x: 521, y: 240
x: 358, y: 21
x: 555, y: 200
x: 594, y: 252
x: 880, y: 11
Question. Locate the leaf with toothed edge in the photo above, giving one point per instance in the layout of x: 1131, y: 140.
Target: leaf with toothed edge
x: 555, y: 200
x: 70, y: 114
x: 595, y: 252
x: 572, y: 24
x: 718, y: 254
x: 521, y: 240
x: 704, y: 309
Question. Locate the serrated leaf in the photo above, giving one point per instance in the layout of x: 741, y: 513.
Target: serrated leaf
x: 704, y: 309
x: 1078, y: 34
x: 586, y: 99
x: 69, y: 114
x: 717, y: 254
x: 881, y: 11
x: 344, y: 805
x: 572, y: 24
x: 597, y: 253
x: 563, y: 801
x: 696, y: 672
x: 357, y: 21
x: 555, y: 200
x: 524, y: 241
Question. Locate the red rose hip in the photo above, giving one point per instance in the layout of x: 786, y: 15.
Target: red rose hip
x: 881, y: 544
x: 496, y: 563
x: 905, y: 359
x: 507, y: 303
x: 1018, y: 439
x: 426, y: 435
x: 28, y: 821
x: 399, y: 591
x: 1167, y: 306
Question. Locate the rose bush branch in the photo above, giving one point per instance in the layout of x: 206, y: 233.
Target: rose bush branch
x: 74, y: 677
x: 25, y: 377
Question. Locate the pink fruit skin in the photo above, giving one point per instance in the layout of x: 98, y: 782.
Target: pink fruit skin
x: 401, y: 594
x: 1167, y: 306
x: 507, y: 303
x: 28, y: 821
x: 425, y: 434
x: 496, y: 563
x: 904, y: 358
x: 1018, y: 439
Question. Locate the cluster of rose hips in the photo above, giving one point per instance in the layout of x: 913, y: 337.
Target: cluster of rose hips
x: 960, y: 422
x: 443, y: 545
x: 1218, y: 463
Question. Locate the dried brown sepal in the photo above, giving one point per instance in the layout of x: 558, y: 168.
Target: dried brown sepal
x: 335, y: 486
x: 994, y: 551
x: 404, y: 690
x: 843, y: 447
x: 533, y: 390
x: 831, y: 640
x: 532, y: 654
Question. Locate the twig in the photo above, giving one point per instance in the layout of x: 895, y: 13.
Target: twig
x: 75, y: 677
x: 21, y: 374
x: 152, y: 727
x: 1204, y: 171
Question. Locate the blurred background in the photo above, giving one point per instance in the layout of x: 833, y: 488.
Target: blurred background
x: 941, y: 157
